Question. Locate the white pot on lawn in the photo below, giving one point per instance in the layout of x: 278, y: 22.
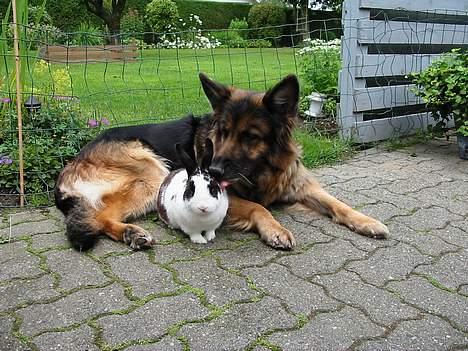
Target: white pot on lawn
x: 316, y: 104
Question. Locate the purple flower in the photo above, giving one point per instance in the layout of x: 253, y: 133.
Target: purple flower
x: 5, y: 160
x: 105, y: 121
x: 92, y: 123
x: 5, y: 100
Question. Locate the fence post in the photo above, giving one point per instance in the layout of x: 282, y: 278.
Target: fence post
x: 18, y: 102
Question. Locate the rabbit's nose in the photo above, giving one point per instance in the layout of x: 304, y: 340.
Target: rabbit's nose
x: 203, y: 208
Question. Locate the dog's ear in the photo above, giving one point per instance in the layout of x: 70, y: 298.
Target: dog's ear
x: 283, y: 97
x: 216, y: 93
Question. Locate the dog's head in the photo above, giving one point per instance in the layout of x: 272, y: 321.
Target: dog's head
x: 251, y: 130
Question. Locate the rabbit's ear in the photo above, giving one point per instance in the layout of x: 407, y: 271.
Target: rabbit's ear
x: 207, y: 155
x: 189, y: 164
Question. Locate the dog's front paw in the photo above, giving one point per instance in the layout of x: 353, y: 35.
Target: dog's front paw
x: 369, y: 227
x: 279, y: 238
x: 137, y: 238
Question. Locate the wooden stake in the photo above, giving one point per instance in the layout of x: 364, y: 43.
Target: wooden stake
x: 18, y: 103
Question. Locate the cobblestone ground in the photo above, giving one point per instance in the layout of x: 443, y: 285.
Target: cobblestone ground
x: 335, y: 291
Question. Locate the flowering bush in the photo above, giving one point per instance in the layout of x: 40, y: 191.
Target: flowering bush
x: 51, y: 81
x: 189, y: 36
x: 161, y: 15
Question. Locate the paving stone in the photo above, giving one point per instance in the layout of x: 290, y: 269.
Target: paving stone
x: 381, y: 306
x: 352, y: 198
x: 452, y: 235
x: 15, y: 262
x: 75, y: 269
x: 463, y: 289
x: 30, y: 228
x: 166, y: 344
x: 427, y: 219
x: 106, y: 246
x: 26, y: 291
x: 448, y: 196
x: 174, y: 252
x: 252, y: 253
x: 144, y: 277
x: 7, y: 341
x: 359, y: 241
x: 405, y: 202
x: 451, y: 270
x: 219, y: 285
x: 79, y: 339
x: 304, y: 234
x: 322, y: 258
x: 238, y: 327
x: 462, y: 225
x: 26, y: 216
x: 158, y: 232
x: 417, y: 183
x: 152, y: 320
x: 51, y: 240
x: 426, y: 242
x: 328, y: 331
x: 382, y: 211
x: 72, y: 309
x: 358, y: 184
x: 419, y: 292
x: 298, y: 294
x: 429, y: 333
x: 260, y: 348
x: 387, y: 264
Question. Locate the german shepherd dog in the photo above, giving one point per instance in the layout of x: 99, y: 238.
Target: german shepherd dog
x: 117, y: 176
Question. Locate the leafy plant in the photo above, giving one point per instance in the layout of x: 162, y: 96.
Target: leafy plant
x: 443, y: 86
x: 88, y: 35
x: 51, y: 137
x: 320, y: 63
x: 162, y: 15
x: 239, y: 26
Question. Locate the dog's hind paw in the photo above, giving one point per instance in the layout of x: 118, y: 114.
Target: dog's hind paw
x: 369, y: 227
x: 137, y: 238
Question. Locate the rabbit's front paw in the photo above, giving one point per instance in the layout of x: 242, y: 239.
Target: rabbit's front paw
x: 197, y: 239
x: 137, y: 238
x: 209, y: 236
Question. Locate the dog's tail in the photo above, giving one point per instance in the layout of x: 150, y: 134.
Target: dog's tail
x: 82, y: 228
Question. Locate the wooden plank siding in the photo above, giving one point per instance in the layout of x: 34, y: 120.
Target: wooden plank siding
x: 88, y: 54
x: 380, y: 51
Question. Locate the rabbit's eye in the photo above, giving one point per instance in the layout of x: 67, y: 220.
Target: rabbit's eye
x: 214, y: 188
x: 189, y: 190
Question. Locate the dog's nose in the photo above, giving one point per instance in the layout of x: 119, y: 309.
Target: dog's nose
x: 216, y: 170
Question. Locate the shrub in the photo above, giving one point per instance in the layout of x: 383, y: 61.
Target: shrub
x: 268, y: 15
x: 162, y: 15
x: 216, y: 15
x: 132, y: 22
x: 443, y: 87
x: 240, y: 27
x: 52, y: 137
x: 320, y: 63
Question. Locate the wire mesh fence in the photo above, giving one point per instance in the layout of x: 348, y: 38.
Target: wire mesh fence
x: 75, y: 85
x: 71, y: 92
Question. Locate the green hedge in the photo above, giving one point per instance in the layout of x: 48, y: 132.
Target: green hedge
x: 215, y: 15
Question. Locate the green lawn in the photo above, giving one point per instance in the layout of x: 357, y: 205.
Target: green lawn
x: 164, y: 84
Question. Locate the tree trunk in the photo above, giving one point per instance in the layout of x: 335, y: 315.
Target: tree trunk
x: 113, y: 25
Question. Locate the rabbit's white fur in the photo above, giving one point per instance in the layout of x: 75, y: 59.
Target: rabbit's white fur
x: 200, y: 213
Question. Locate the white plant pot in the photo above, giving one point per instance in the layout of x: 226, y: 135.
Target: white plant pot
x: 316, y: 104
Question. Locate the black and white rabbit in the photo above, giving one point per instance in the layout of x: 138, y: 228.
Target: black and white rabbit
x: 192, y: 199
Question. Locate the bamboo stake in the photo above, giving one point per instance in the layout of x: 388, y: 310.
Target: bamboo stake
x: 18, y: 103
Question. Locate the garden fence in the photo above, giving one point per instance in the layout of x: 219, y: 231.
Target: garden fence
x: 72, y: 93
x: 384, y: 42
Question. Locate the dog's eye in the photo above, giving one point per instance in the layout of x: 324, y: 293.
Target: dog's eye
x: 223, y: 132
x: 250, y: 137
